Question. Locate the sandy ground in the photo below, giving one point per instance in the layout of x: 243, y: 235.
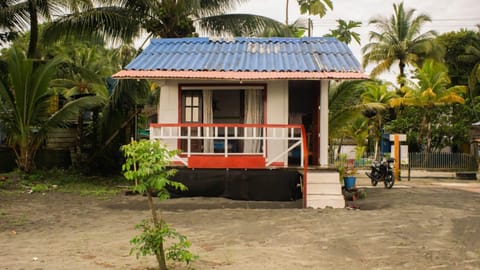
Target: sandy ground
x: 420, y: 224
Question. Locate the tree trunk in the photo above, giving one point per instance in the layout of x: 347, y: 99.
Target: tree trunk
x: 23, y: 160
x: 428, y: 135
x: 401, y: 76
x: 32, y: 46
x: 157, y: 222
x: 80, y: 129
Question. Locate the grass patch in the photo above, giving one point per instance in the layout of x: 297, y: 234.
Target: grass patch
x: 10, y: 221
x: 57, y: 180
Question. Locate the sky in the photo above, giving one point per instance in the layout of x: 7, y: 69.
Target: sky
x: 446, y: 15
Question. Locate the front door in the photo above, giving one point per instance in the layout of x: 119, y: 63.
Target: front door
x: 304, y: 101
x: 192, y: 112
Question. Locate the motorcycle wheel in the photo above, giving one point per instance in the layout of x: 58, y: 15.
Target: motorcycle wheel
x: 374, y: 178
x: 389, y: 180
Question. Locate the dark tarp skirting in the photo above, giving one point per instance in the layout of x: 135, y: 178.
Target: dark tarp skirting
x: 255, y: 185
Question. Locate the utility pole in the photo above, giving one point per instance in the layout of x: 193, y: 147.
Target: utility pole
x: 310, y: 27
x: 286, y: 14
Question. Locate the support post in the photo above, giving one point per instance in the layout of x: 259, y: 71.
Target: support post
x: 323, y: 135
x: 396, y: 145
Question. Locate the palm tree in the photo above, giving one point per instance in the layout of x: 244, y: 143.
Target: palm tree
x: 84, y: 73
x: 24, y: 105
x: 432, y: 90
x: 344, y: 105
x: 21, y: 16
x: 168, y: 18
x: 344, y: 31
x: 472, y: 55
x: 399, y: 40
x: 376, y: 100
x: 358, y: 131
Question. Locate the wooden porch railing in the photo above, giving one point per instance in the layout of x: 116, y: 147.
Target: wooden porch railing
x: 192, y: 139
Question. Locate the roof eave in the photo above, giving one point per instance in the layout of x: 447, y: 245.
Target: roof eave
x: 234, y: 75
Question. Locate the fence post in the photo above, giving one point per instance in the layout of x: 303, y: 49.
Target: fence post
x: 409, y: 168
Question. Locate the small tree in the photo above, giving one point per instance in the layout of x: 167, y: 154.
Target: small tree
x: 146, y: 163
x: 25, y: 97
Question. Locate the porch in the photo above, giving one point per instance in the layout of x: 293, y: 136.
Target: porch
x: 248, y: 162
x: 234, y: 146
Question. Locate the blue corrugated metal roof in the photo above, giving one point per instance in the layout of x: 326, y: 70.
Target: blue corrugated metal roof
x: 315, y: 54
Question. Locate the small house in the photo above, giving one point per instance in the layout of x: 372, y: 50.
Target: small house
x: 249, y: 109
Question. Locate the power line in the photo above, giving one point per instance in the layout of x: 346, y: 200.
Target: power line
x: 334, y: 21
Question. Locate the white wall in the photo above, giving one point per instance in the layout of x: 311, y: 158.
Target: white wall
x: 168, y: 103
x: 277, y: 113
x: 168, y: 107
x: 276, y: 110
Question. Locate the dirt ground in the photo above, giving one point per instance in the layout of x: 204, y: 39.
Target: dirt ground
x: 421, y: 224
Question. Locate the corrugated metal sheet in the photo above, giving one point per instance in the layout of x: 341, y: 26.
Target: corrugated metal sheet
x: 189, y: 56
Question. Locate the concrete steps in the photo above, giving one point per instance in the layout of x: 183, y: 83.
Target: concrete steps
x: 324, y: 189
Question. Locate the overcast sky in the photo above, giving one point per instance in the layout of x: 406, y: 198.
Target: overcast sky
x: 447, y: 15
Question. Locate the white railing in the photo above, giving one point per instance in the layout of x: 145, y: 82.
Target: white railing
x: 233, y: 140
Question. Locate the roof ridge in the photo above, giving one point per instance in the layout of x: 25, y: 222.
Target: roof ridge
x: 243, y: 39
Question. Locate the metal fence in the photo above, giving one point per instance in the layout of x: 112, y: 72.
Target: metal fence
x: 426, y: 161
x: 442, y: 161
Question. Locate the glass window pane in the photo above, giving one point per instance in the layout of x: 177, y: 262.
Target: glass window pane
x: 188, y: 114
x: 195, y: 115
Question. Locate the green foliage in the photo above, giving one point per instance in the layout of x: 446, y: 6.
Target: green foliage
x: 315, y: 7
x: 344, y: 104
x: 449, y: 127
x: 149, y: 242
x: 23, y: 16
x: 458, y: 59
x: 65, y: 181
x: 25, y: 100
x: 435, y: 97
x: 69, y: 181
x: 40, y: 188
x: 399, y: 40
x: 166, y: 19
x: 345, y: 168
x: 146, y: 162
x: 344, y: 32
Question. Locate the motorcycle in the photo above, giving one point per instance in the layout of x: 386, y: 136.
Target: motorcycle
x: 382, y: 171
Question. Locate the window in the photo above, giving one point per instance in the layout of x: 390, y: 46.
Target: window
x: 192, y: 107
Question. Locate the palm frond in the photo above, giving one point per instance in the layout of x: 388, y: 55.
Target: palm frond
x: 242, y: 24
x: 111, y: 23
x: 14, y: 15
x: 70, y: 111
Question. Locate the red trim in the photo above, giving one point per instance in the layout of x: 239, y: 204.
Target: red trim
x: 277, y: 164
x: 222, y: 162
x: 226, y: 125
x: 180, y: 85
